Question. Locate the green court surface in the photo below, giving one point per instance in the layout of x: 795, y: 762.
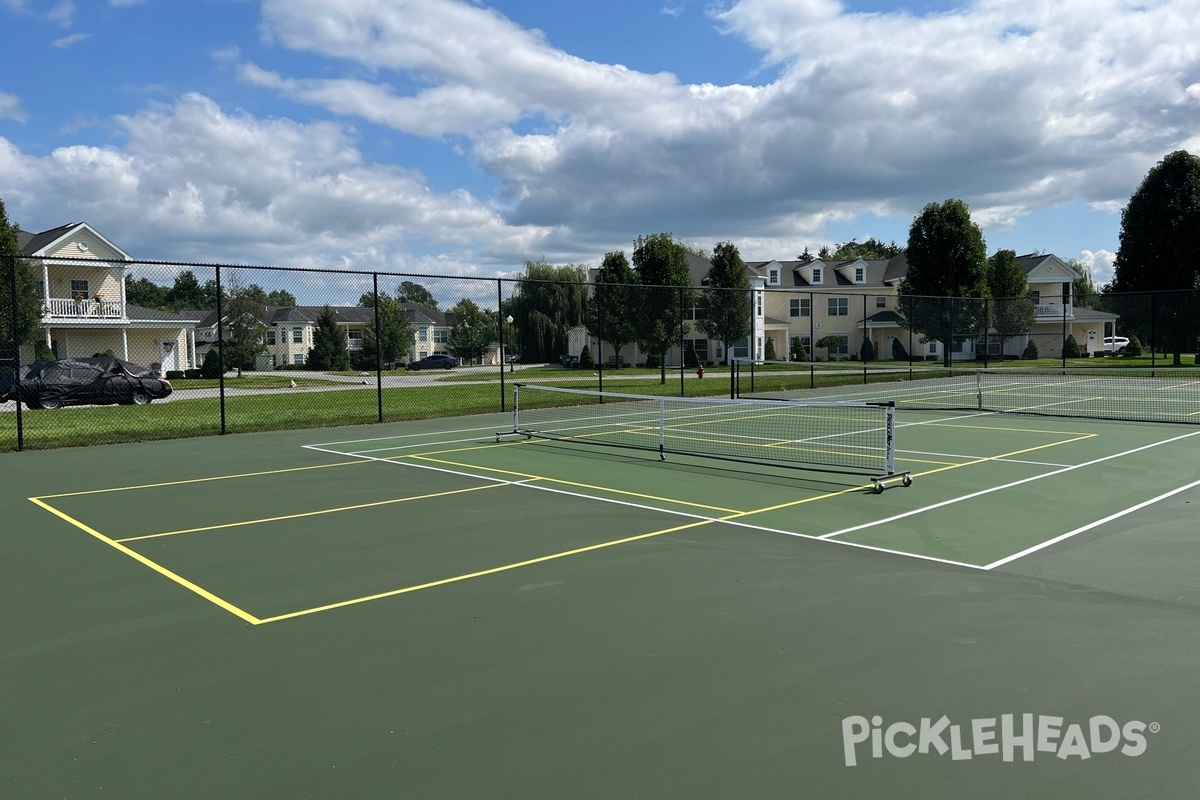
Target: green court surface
x: 423, y: 610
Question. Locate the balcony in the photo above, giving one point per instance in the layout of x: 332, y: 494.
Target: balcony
x: 66, y: 308
x: 1054, y: 311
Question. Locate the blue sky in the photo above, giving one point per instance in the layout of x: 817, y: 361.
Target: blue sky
x: 461, y: 137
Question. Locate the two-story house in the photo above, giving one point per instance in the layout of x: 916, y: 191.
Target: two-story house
x: 84, y: 310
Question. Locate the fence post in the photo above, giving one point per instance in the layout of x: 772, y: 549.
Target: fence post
x: 11, y: 258
x: 1064, y: 336
x: 378, y: 348
x: 500, y: 326
x: 986, y: 326
x: 812, y: 341
x: 600, y: 339
x: 682, y: 350
x: 220, y: 350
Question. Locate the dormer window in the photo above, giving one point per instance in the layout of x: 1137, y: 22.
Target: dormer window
x: 773, y: 276
x: 816, y: 275
x: 860, y: 275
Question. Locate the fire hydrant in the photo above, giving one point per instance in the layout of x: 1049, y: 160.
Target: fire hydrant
x: 700, y: 371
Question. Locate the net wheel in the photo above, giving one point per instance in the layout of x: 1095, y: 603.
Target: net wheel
x: 878, y: 487
x: 907, y: 480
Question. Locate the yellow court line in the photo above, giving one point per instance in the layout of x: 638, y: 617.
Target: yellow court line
x: 481, y: 573
x: 203, y: 480
x: 303, y: 514
x: 154, y: 565
x: 1023, y: 451
x: 544, y: 479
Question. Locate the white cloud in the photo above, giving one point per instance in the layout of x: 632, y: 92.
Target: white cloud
x: 68, y: 41
x: 1099, y: 264
x: 11, y: 107
x: 62, y: 13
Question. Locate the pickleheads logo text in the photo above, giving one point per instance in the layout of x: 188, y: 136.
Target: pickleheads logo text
x: 1026, y: 734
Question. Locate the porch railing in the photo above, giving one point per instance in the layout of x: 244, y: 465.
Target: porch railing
x: 58, y: 307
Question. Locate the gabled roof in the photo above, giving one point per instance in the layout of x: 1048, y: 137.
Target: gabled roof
x: 38, y: 244
x: 880, y: 272
x: 1046, y: 262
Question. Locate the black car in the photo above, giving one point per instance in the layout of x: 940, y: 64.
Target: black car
x: 435, y: 361
x: 83, y: 381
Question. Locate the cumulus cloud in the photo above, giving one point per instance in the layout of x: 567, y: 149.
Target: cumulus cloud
x: 68, y: 41
x: 11, y: 107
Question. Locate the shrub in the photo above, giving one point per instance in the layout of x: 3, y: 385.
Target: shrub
x: 585, y: 358
x: 1134, y: 348
x: 174, y: 374
x: 1031, y: 351
x: 192, y: 373
x: 799, y: 353
x: 211, y: 366
x: 898, y: 351
x: 867, y: 351
x: 1071, y: 347
x: 44, y: 353
x: 770, y: 351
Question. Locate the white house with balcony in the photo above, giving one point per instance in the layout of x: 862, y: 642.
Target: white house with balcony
x: 84, y: 311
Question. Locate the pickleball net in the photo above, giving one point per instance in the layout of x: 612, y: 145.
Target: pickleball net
x: 857, y: 438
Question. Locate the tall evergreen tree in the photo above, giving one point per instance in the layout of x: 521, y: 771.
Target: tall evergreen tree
x: 941, y: 297
x: 329, y: 351
x: 661, y: 266
x: 726, y: 298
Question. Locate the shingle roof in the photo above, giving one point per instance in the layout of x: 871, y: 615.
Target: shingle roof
x: 30, y: 243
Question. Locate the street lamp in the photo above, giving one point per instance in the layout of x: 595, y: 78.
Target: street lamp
x: 511, y: 361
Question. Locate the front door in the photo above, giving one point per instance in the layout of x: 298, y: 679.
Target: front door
x: 169, y: 363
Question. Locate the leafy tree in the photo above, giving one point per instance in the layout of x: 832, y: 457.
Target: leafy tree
x: 829, y: 342
x: 1159, y: 251
x: 329, y: 350
x: 1013, y: 310
x: 211, y: 366
x: 415, y: 293
x: 615, y: 302
x: 726, y: 298
x: 281, y: 298
x: 661, y: 266
x: 473, y: 331
x: 1135, y: 347
x: 395, y: 337
x: 28, y: 301
x: 548, y: 302
x: 243, y: 315
x: 145, y: 292
x: 947, y: 258
x: 1083, y: 289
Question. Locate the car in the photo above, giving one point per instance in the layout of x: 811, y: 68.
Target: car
x: 435, y: 361
x: 98, y: 381
x: 512, y: 358
x: 569, y: 361
x: 1116, y: 344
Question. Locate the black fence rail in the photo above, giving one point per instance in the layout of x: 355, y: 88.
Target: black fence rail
x: 251, y: 348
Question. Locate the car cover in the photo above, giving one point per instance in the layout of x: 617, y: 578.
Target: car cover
x: 73, y: 378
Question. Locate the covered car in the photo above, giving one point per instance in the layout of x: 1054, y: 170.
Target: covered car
x: 83, y: 381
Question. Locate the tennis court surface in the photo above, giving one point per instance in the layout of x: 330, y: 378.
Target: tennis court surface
x: 435, y: 610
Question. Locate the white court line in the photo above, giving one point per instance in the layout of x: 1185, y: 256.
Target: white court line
x: 528, y: 484
x: 992, y: 489
x: 1089, y: 526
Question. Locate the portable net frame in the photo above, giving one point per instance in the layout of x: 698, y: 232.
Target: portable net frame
x: 855, y: 438
x: 1133, y: 395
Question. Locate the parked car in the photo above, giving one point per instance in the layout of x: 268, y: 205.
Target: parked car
x: 512, y: 358
x: 435, y: 361
x: 569, y: 361
x: 83, y: 381
x: 1116, y: 344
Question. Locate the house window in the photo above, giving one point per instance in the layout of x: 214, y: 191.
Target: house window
x: 931, y: 348
x: 298, y: 358
x: 270, y: 336
x: 1066, y: 294
x: 860, y: 275
x: 800, y: 306
x: 839, y: 306
x: 758, y: 301
x: 1036, y: 297
x: 298, y: 335
x: 881, y: 302
x: 773, y: 276
x: 422, y: 334
x: 816, y: 275
x: 440, y: 335
x: 741, y: 348
x: 695, y: 313
x: 79, y: 289
x: 354, y: 336
x: 699, y: 347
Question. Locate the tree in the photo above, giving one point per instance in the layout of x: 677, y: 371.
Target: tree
x: 615, y: 303
x: 798, y: 351
x: 472, y: 332
x: 28, y: 301
x: 395, y: 337
x: 415, y: 293
x: 1013, y: 310
x: 829, y: 342
x: 188, y: 293
x: 1083, y: 288
x: 726, y: 299
x: 211, y: 366
x: 329, y: 350
x: 866, y: 351
x: 243, y: 315
x: 947, y: 258
x: 548, y: 302
x: 145, y: 292
x: 770, y: 354
x: 1159, y: 251
x: 661, y: 266
x: 281, y: 298
x: 872, y: 248
x: 1071, y: 347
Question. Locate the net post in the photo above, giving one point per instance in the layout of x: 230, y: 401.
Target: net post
x: 889, y: 458
x: 979, y: 389
x: 662, y: 429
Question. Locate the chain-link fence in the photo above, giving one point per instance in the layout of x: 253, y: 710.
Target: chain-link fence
x: 247, y: 348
